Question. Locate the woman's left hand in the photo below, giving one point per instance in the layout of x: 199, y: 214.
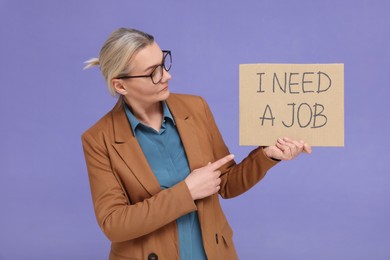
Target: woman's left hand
x: 287, y: 149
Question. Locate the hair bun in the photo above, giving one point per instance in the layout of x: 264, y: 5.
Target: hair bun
x: 91, y: 63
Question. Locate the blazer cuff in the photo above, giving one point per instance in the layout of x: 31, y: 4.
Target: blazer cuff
x: 184, y: 197
x: 259, y: 152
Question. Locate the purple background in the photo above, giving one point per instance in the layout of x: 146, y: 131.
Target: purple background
x: 333, y: 204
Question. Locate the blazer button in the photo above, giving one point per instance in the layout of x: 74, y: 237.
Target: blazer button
x: 152, y: 256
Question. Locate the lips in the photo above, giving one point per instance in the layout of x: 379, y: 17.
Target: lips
x: 164, y: 88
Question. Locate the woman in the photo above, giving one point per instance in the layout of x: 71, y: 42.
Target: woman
x: 157, y: 162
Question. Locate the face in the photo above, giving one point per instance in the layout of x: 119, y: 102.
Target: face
x: 142, y: 91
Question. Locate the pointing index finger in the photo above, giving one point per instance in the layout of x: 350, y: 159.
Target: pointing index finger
x: 219, y: 163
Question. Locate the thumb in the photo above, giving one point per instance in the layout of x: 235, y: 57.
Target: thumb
x: 307, y: 149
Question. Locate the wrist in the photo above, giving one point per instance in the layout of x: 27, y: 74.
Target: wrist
x: 267, y: 151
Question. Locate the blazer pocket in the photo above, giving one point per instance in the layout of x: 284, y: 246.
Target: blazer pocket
x: 227, y: 235
x: 114, y: 256
x: 226, y: 249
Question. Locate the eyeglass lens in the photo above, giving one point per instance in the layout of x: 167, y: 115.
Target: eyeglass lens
x: 158, y: 72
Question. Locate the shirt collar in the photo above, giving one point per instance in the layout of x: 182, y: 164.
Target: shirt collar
x: 134, y: 122
x: 167, y: 112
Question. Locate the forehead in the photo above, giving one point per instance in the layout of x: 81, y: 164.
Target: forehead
x: 148, y: 56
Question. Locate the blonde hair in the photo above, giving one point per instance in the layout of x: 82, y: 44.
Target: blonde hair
x: 117, y: 52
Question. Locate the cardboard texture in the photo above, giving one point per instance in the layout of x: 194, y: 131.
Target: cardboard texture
x: 300, y: 101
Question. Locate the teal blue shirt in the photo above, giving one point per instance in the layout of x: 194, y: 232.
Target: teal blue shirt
x: 165, y: 154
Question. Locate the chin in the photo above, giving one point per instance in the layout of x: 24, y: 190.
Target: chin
x: 164, y: 94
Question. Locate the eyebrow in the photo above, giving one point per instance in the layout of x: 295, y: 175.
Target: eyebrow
x: 155, y: 65
x: 152, y: 67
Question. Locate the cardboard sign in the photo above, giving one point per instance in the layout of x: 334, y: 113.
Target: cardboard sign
x: 300, y: 101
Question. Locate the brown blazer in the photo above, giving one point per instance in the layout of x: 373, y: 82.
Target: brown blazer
x: 131, y: 208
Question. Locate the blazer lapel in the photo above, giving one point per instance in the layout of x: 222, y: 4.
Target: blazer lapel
x: 130, y: 151
x: 187, y: 131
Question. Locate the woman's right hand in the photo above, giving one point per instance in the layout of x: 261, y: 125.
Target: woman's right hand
x: 205, y: 181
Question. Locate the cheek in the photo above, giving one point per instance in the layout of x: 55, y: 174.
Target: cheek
x: 141, y: 91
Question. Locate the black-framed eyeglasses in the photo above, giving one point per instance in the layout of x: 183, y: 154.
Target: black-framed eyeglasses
x: 158, y: 72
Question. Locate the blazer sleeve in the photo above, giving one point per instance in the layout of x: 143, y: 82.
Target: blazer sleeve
x: 119, y: 219
x: 237, y: 178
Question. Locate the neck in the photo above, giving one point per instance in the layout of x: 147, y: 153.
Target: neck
x: 150, y: 115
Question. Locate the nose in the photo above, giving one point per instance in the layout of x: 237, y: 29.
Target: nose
x: 166, y: 75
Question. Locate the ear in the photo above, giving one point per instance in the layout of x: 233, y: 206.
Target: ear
x: 119, y: 87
